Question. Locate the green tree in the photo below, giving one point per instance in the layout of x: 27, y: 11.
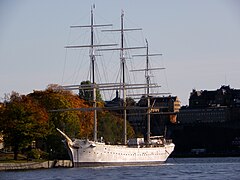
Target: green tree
x: 86, y: 92
x: 110, y: 127
x: 130, y: 101
x: 22, y: 121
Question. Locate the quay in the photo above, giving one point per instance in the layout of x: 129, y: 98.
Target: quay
x: 35, y: 165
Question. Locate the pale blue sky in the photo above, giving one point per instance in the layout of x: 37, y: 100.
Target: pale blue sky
x: 200, y: 40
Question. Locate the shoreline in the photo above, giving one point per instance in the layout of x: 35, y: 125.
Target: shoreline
x: 67, y: 163
x: 35, y: 165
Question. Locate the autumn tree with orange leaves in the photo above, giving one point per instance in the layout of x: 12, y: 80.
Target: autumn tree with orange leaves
x: 75, y: 123
x: 31, y: 117
x: 22, y: 121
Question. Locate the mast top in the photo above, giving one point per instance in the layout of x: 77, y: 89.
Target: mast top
x: 122, y: 13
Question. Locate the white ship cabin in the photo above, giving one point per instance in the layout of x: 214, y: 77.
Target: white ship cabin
x: 154, y: 141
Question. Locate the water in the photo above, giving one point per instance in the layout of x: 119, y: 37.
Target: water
x: 179, y: 168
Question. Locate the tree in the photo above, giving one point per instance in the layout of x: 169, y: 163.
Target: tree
x: 74, y: 123
x: 22, y: 121
x: 86, y: 93
x: 130, y: 101
x: 77, y: 124
x: 110, y: 127
x: 27, y: 118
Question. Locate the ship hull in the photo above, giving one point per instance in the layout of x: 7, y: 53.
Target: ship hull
x: 97, y: 164
x: 88, y: 153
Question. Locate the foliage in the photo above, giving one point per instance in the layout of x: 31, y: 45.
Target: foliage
x: 37, y: 154
x: 110, y: 127
x: 130, y: 101
x: 22, y: 121
x: 87, y: 92
x: 37, y: 115
x: 74, y: 122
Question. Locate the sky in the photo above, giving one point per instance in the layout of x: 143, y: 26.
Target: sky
x: 199, y: 40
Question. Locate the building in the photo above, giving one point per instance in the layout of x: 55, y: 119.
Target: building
x: 211, y: 123
x: 225, y: 96
x: 164, y: 111
x: 221, y: 105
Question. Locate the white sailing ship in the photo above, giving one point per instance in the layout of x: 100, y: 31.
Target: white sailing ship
x: 85, y: 152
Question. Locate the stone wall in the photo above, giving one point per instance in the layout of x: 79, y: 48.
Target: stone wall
x: 25, y: 166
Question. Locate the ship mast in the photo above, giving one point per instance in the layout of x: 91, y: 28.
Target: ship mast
x: 123, y: 61
x: 147, y: 77
x: 92, y: 56
x: 148, y: 98
x: 122, y: 58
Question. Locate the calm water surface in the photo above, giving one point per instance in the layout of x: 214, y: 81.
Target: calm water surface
x: 179, y: 168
